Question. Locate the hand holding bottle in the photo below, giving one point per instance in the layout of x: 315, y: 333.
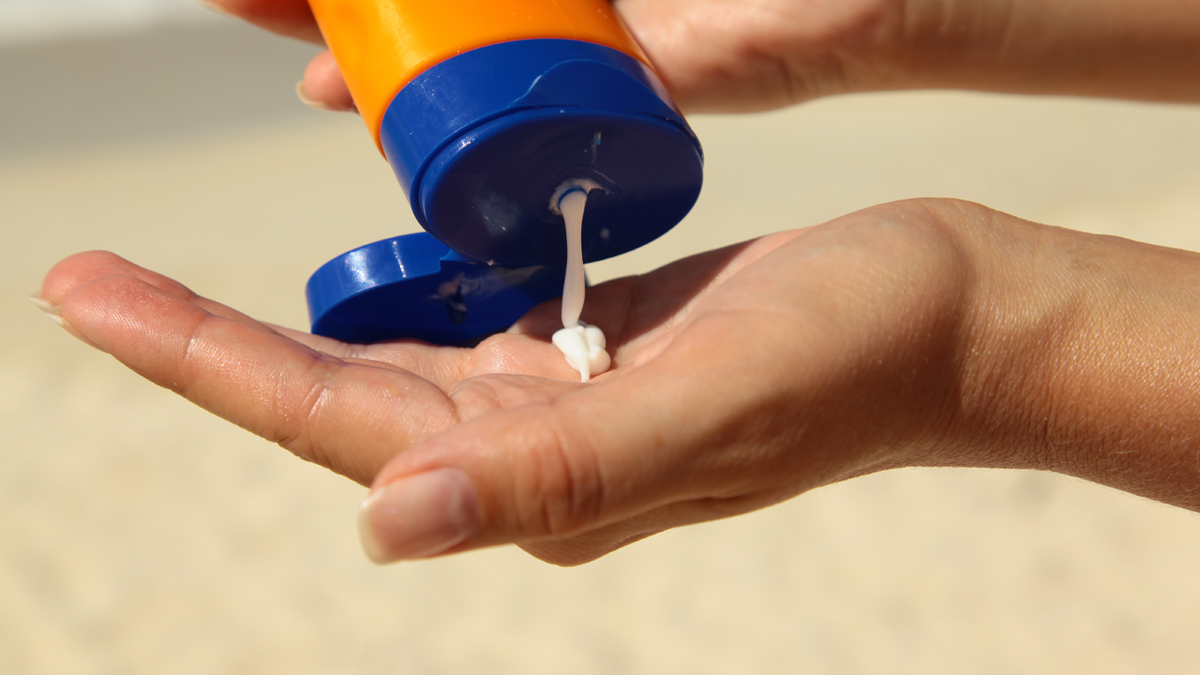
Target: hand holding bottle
x: 734, y: 56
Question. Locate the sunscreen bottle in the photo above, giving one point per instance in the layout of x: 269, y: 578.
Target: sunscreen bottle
x: 484, y: 108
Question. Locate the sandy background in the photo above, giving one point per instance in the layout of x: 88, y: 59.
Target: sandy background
x: 141, y: 535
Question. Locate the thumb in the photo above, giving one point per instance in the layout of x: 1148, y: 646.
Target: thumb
x: 569, y: 480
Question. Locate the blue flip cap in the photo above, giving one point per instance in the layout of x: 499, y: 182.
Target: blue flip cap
x: 480, y: 141
x: 413, y: 286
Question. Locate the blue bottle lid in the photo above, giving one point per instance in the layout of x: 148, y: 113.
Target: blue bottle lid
x: 413, y: 286
x: 480, y: 141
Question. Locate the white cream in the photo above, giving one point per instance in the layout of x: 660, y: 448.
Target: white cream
x: 583, y: 345
x: 572, y: 206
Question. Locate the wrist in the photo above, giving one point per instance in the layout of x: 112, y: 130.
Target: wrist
x: 1083, y: 359
x: 1110, y: 48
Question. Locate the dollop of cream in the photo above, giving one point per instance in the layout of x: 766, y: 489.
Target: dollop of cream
x: 582, y: 345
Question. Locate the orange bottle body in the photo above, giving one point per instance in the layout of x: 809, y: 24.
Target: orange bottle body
x: 381, y: 45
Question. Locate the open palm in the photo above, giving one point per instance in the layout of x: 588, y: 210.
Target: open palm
x: 741, y: 377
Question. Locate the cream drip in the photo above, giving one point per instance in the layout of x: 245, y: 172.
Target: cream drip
x: 582, y: 345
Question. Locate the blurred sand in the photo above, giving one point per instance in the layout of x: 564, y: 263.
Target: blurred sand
x: 141, y: 535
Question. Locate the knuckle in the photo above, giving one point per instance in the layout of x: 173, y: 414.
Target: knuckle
x: 298, y: 415
x: 563, y: 488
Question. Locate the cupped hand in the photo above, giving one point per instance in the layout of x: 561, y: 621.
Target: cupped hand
x: 741, y: 377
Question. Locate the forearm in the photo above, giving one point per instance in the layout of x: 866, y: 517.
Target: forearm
x: 1085, y: 359
x: 1135, y: 49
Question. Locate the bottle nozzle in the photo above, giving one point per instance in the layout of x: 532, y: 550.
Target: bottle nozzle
x: 584, y: 185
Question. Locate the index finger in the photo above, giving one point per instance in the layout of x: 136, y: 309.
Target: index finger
x: 350, y: 417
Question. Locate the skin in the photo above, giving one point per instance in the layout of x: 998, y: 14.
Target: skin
x: 927, y: 333
x: 748, y: 55
x: 922, y: 333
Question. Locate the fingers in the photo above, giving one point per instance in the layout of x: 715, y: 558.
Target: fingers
x: 570, y: 479
x: 348, y: 416
x: 82, y: 268
x: 323, y: 87
x: 291, y: 18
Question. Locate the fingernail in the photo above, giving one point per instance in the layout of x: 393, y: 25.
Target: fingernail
x: 52, y: 311
x: 213, y: 6
x: 418, y: 516
x: 43, y: 304
x: 302, y: 94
